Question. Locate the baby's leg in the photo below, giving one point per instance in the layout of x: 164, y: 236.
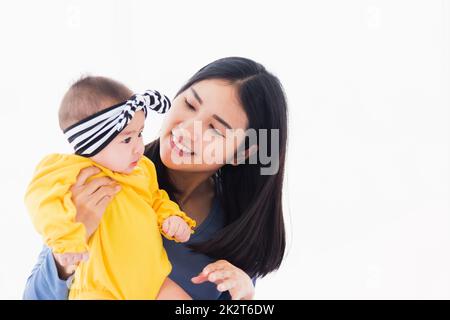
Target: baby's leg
x: 172, y: 291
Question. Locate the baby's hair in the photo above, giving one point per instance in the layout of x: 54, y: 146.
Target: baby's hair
x: 89, y: 95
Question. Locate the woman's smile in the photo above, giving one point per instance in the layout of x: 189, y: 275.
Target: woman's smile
x: 176, y: 145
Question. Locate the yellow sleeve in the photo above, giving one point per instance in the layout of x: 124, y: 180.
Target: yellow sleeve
x: 161, y: 203
x: 48, y: 200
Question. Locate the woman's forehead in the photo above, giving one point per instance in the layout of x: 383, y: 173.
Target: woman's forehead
x: 221, y: 98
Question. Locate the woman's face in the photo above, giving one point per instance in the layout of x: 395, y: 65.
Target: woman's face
x: 203, y: 128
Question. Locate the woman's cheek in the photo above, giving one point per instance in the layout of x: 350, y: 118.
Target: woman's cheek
x: 169, y: 120
x: 165, y: 128
x: 213, y: 152
x: 173, y: 116
x: 164, y: 150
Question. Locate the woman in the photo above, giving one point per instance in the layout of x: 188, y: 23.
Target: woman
x: 240, y: 234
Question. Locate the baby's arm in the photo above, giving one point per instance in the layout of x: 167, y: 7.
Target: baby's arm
x: 175, y: 227
x: 173, y: 223
x: 168, y: 212
x: 48, y: 200
x: 69, y: 261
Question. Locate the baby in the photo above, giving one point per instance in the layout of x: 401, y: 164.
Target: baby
x: 103, y: 121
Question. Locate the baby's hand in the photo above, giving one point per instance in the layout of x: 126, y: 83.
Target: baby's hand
x: 177, y: 228
x: 70, y: 261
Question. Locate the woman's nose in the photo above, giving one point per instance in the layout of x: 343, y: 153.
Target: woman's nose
x: 191, y: 130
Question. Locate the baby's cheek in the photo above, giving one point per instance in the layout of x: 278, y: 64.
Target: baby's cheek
x: 122, y: 167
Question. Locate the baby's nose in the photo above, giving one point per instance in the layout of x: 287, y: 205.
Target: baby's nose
x: 139, y: 149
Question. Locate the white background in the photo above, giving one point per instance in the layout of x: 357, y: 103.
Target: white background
x: 368, y: 84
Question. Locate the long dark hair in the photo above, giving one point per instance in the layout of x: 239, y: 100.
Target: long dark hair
x: 254, y: 236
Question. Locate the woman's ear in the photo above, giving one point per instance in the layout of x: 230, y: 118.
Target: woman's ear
x: 240, y: 157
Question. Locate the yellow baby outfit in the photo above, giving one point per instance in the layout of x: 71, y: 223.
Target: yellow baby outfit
x: 127, y: 259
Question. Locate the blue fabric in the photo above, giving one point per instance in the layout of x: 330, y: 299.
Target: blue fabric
x: 187, y: 264
x: 44, y: 284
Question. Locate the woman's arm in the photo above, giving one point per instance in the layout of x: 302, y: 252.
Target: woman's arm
x: 228, y: 278
x: 47, y: 280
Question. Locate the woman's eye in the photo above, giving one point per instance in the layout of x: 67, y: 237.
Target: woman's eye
x: 189, y: 105
x: 127, y: 140
x: 216, y: 131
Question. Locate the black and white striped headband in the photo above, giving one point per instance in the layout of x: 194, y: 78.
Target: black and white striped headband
x: 90, y: 135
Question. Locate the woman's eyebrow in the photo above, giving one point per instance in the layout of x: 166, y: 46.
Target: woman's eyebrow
x: 215, y: 116
x: 197, y: 97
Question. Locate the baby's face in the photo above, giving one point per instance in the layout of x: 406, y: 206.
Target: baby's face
x: 123, y: 153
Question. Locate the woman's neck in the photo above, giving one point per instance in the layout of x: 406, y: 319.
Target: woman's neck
x: 189, y: 184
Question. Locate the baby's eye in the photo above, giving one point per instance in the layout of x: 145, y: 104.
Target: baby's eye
x: 127, y: 140
x: 140, y: 134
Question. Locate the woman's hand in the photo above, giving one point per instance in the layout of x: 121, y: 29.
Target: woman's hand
x: 227, y: 277
x: 92, y: 198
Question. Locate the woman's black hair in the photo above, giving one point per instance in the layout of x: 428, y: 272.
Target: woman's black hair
x: 254, y: 237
